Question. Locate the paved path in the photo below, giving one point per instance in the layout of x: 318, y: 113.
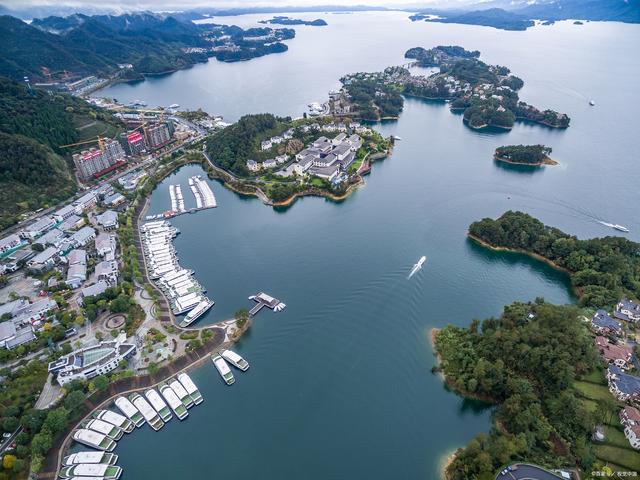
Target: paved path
x: 528, y: 472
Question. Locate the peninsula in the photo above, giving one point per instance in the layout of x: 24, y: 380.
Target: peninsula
x: 280, y: 20
x: 487, y: 95
x: 534, y: 155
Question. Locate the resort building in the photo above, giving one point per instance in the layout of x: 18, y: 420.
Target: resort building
x: 44, y: 261
x: 619, y: 355
x: 108, y: 220
x: 623, y: 386
x: 71, y: 223
x: 64, y: 213
x: 107, y: 271
x: 630, y: 416
x: 603, y: 323
x: 39, y: 227
x: 628, y: 311
x: 106, y: 245
x: 253, y: 166
x: 53, y: 237
x: 82, y: 236
x: 86, y: 202
x: 9, y: 243
x: 92, y: 361
x: 633, y: 435
x: 93, y: 290
x: 77, y: 272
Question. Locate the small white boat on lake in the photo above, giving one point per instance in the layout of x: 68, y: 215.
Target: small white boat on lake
x: 90, y: 457
x: 174, y: 402
x: 191, y: 388
x: 236, y: 360
x: 223, y: 369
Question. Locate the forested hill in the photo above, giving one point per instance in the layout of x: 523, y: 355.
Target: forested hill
x: 33, y: 126
x: 602, y: 269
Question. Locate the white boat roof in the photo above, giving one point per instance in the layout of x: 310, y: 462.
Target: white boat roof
x: 90, y: 469
x: 89, y: 436
x: 112, y: 417
x: 84, y: 457
x: 100, y: 426
x: 179, y: 389
x: 187, y: 383
x: 126, y: 406
x: 155, y: 399
x: 221, y: 365
x: 170, y: 396
x: 176, y: 274
x: 86, y: 478
x: 147, y: 410
x: 231, y: 355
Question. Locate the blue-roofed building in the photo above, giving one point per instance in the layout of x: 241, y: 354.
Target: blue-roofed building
x: 603, y: 323
x: 623, y: 386
x: 627, y: 310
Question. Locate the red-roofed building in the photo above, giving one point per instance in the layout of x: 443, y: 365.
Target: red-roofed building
x: 619, y: 355
x: 630, y: 416
x: 633, y: 435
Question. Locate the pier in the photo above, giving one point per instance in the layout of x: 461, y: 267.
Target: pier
x: 264, y: 300
x: 201, y: 192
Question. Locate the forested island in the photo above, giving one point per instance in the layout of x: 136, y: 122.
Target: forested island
x: 602, y: 270
x: 491, y: 17
x: 536, y: 155
x: 128, y: 46
x: 487, y: 95
x: 525, y: 362
x: 279, y: 20
x: 280, y: 159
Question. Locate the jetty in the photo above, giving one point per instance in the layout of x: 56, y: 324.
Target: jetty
x: 264, y: 300
x: 201, y: 192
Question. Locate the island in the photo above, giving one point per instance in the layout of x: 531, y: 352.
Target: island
x: 280, y: 20
x: 486, y: 95
x: 535, y: 155
x: 602, y: 270
x: 491, y: 17
x: 280, y: 159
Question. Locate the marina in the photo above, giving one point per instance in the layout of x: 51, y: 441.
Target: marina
x: 264, y: 300
x: 94, y: 439
x: 158, y: 404
x: 116, y: 419
x: 236, y: 360
x: 201, y: 191
x: 223, y: 369
x: 191, y: 388
x: 90, y: 457
x: 147, y: 411
x: 182, y: 394
x: 92, y: 470
x: 132, y: 413
x: 104, y: 428
x: 174, y: 402
x: 185, y: 294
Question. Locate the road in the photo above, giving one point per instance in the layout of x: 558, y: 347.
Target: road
x: 4, y: 444
x: 528, y: 472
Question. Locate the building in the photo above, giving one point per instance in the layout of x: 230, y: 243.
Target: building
x: 98, y: 161
x: 341, y: 137
x: 280, y: 159
x: 113, y: 199
x: 92, y: 361
x: 64, y: 213
x: 303, y: 164
x: 133, y: 142
x: 86, y: 202
x: 82, y: 237
x: 630, y: 416
x: 12, y: 337
x: 53, y: 237
x: 253, y: 166
x: 269, y: 163
x: 107, y: 270
x: 328, y: 173
x: 19, y: 329
x: 44, y: 261
x: 71, y: 223
x: 106, y: 245
x: 37, y: 228
x: 9, y: 243
x: 265, y: 145
x: 619, y: 355
x: 605, y: 325
x: 623, y: 386
x: 157, y: 135
x: 633, y: 435
x: 93, y: 290
x: 77, y: 272
x: 108, y: 220
x: 628, y: 311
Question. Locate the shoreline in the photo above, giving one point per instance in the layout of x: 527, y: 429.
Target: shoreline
x: 545, y: 161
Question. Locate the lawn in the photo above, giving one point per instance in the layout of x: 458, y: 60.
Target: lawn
x: 593, y: 391
x: 615, y: 437
x: 595, y: 377
x: 624, y: 457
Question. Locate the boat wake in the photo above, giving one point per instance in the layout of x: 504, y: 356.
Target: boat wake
x: 417, y: 266
x: 615, y: 226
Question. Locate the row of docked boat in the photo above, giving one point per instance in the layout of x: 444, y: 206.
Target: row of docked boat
x: 221, y: 361
x: 183, y: 291
x: 177, y: 200
x: 106, y: 427
x: 202, y: 192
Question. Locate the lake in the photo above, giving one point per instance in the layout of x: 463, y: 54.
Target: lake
x: 340, y: 384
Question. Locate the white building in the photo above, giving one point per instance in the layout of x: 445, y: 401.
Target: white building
x: 106, y: 245
x: 10, y: 242
x: 108, y: 220
x: 253, y: 166
x: 38, y: 228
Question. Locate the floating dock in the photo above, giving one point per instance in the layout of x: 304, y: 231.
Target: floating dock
x: 264, y: 300
x: 201, y: 192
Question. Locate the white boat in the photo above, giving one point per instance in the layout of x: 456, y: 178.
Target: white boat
x: 417, y: 266
x: 97, y: 470
x: 395, y: 137
x: 94, y: 439
x: 236, y: 360
x: 131, y: 412
x: 90, y: 457
x: 223, y: 369
x: 147, y: 411
x: 620, y: 228
x: 158, y: 404
x: 174, y: 402
x: 184, y: 397
x: 199, y: 310
x: 173, y: 106
x: 592, y: 103
x: 191, y: 388
x: 106, y: 428
x: 118, y: 420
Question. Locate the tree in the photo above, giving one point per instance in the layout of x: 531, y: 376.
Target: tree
x: 8, y: 460
x: 9, y: 424
x: 73, y: 400
x: 99, y: 383
x: 241, y: 316
x: 56, y: 420
x: 41, y: 443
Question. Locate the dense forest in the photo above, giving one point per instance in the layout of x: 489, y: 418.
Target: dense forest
x: 531, y: 154
x: 602, y: 269
x: 525, y: 362
x: 373, y: 100
x: 440, y: 55
x: 280, y: 20
x: 491, y: 17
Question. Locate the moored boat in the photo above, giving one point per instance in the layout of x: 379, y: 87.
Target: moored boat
x: 93, y: 439
x: 174, y: 402
x: 106, y: 428
x: 191, y: 388
x: 118, y: 420
x: 184, y: 397
x: 236, y: 360
x: 199, y: 310
x: 147, y: 411
x: 130, y: 411
x: 90, y: 457
x: 158, y: 404
x: 223, y: 369
x: 95, y: 470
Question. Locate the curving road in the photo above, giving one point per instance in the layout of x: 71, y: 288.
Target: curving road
x: 528, y: 472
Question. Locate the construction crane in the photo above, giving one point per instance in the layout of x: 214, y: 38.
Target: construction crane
x: 99, y: 140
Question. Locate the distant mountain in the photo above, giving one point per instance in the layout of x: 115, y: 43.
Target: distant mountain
x: 493, y: 17
x: 597, y: 10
